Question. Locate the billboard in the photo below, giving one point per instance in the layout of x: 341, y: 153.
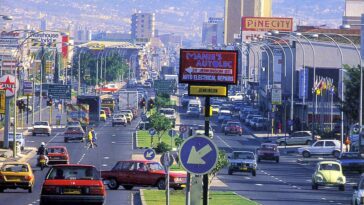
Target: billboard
x: 50, y: 38
x: 267, y: 24
x: 208, y: 67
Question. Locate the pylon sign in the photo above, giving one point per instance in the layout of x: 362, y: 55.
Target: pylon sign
x: 10, y: 84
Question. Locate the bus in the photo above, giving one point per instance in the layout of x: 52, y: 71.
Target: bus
x: 108, y: 101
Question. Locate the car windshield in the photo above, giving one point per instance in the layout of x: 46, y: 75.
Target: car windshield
x: 15, y: 168
x: 193, y: 105
x: 235, y: 124
x: 55, y: 150
x: 268, y: 147
x: 243, y: 155
x: 155, y: 167
x: 119, y: 116
x: 41, y: 123
x: 73, y: 129
x: 74, y: 173
x: 334, y: 167
x: 167, y: 112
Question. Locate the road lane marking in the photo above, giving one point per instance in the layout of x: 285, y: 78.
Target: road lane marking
x: 104, y: 165
x: 53, y: 138
x: 79, y: 161
x: 106, y: 157
x: 223, y: 141
x: 323, y: 198
x: 259, y: 184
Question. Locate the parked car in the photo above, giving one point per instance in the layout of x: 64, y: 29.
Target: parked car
x: 58, y: 155
x: 297, y: 138
x: 328, y: 173
x: 358, y: 195
x: 233, y: 127
x: 352, y: 161
x: 321, y: 147
x: 119, y: 119
x: 250, y: 117
x: 73, y: 184
x: 200, y: 131
x: 73, y: 133
x: 242, y: 161
x: 15, y: 175
x: 261, y: 124
x: 41, y: 127
x: 141, y: 173
x: 107, y: 111
x: 268, y: 151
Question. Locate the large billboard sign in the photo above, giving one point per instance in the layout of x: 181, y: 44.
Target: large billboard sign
x: 208, y: 67
x: 267, y: 24
x: 49, y: 38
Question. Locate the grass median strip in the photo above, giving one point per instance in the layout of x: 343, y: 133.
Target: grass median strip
x: 157, y: 197
x: 144, y: 139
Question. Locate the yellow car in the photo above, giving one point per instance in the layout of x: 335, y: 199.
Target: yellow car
x: 15, y: 175
x: 328, y: 173
x: 102, y: 115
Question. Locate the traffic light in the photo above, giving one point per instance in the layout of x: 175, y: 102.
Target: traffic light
x: 21, y: 105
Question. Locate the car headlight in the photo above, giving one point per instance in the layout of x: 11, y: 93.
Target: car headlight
x: 319, y: 178
x: 178, y: 180
x: 340, y: 180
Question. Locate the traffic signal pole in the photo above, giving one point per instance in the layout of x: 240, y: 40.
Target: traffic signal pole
x: 205, y: 178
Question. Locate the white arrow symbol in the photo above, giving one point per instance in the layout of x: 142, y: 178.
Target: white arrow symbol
x: 196, y: 157
x: 189, y: 70
x: 149, y: 154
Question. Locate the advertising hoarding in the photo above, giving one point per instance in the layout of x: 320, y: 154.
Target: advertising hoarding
x: 208, y: 67
x: 267, y: 24
x: 210, y: 91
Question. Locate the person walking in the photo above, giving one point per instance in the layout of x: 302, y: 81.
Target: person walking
x: 94, y: 138
x: 90, y: 138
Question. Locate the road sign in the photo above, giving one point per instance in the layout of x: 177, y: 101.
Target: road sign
x: 28, y: 88
x: 198, y: 155
x: 149, y: 154
x: 8, y: 83
x: 165, y: 86
x: 182, y: 128
x: 172, y: 133
x: 152, y: 132
x: 166, y: 159
x: 211, y: 91
x: 276, y: 96
x: 206, y: 67
x: 2, y: 102
x: 59, y: 91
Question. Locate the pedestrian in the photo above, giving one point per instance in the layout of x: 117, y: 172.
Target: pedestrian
x: 90, y: 138
x: 347, y: 143
x: 94, y: 138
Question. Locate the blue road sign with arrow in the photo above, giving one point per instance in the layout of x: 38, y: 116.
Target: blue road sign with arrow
x: 149, y: 154
x: 152, y: 131
x: 198, y: 155
x: 172, y: 133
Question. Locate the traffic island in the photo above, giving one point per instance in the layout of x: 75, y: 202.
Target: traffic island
x: 143, y: 140
x: 158, y: 197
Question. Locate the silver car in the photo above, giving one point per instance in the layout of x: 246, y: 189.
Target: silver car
x: 297, y: 138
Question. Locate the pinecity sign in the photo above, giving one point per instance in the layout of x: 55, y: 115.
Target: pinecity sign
x: 208, y: 67
x: 10, y: 84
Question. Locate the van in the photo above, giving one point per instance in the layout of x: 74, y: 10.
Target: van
x: 194, y: 107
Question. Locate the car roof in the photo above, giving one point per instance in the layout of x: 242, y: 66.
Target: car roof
x: 63, y: 147
x: 20, y: 163
x: 73, y: 165
x: 329, y: 162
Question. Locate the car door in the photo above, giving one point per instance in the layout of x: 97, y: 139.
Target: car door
x: 124, y: 173
x: 141, y: 174
x: 329, y: 147
x: 317, y: 147
x: 292, y: 139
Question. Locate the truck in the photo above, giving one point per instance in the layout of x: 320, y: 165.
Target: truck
x: 129, y: 100
x: 78, y: 113
x: 94, y: 103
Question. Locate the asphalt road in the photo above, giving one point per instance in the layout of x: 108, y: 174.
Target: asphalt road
x: 114, y: 143
x: 285, y: 183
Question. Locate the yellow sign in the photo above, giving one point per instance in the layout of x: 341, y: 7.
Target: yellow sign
x: 199, y: 90
x: 267, y: 24
x: 210, y: 111
x: 2, y: 101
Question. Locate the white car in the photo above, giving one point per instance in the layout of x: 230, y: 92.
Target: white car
x: 119, y: 119
x: 41, y: 127
x: 321, y: 147
x: 237, y: 96
x: 358, y: 195
x: 169, y: 113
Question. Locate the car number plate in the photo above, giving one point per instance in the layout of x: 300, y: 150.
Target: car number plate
x: 244, y: 168
x: 16, y: 179
x: 183, y: 185
x: 72, y: 191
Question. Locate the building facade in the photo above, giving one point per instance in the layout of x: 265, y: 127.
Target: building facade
x: 213, y: 32
x: 353, y: 11
x: 142, y: 27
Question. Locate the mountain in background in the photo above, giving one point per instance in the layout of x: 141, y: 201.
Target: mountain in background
x: 183, y: 17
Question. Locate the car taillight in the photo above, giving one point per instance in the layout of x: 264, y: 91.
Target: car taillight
x: 96, y: 190
x: 50, y: 190
x: 28, y: 178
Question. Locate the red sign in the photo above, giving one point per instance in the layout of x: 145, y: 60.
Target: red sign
x: 267, y: 24
x: 210, y: 67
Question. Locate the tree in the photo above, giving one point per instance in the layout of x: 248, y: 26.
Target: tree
x: 222, y: 162
x: 161, y: 124
x: 352, y: 94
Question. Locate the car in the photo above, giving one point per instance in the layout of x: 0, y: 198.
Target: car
x: 261, y: 124
x: 103, y: 116
x: 233, y: 127
x: 73, y: 133
x: 352, y: 161
x: 193, y: 111
x: 19, y: 139
x: 321, y: 147
x: 141, y: 173
x: 242, y: 161
x: 130, y: 112
x: 297, y: 138
x: 41, y: 127
x: 250, y: 117
x: 15, y: 175
x: 236, y: 96
x: 253, y: 121
x: 107, y: 111
x: 144, y: 125
x: 73, y: 124
x: 128, y: 116
x: 185, y: 99
x: 169, y: 113
x: 328, y: 173
x: 224, y: 115
x: 58, y: 155
x: 215, y: 109
x: 358, y: 195
x: 268, y: 151
x: 73, y: 184
x: 194, y: 107
x: 200, y: 131
x: 119, y: 119
x: 237, y: 105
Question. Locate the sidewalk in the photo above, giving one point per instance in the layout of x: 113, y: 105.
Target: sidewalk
x: 6, y: 155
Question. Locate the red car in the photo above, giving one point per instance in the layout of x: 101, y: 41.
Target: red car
x: 141, y: 173
x: 58, y: 155
x: 73, y: 184
x: 268, y: 151
x: 233, y: 127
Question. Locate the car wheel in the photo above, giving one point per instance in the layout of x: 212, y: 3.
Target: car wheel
x: 342, y: 188
x: 161, y: 184
x: 113, y: 184
x: 30, y: 189
x: 336, y: 153
x: 128, y: 187
x: 230, y: 172
x: 306, y: 154
x: 254, y: 173
x: 282, y: 143
x: 22, y: 148
x: 277, y: 159
x: 308, y: 142
x: 314, y: 186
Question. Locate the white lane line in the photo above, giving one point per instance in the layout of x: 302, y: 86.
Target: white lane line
x: 259, y: 184
x: 113, y: 135
x: 113, y: 142
x: 247, y: 177
x: 281, y: 180
x: 53, y: 138
x: 223, y: 141
x: 323, y: 198
x: 104, y: 165
x: 106, y: 157
x: 81, y: 158
x: 332, y: 201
